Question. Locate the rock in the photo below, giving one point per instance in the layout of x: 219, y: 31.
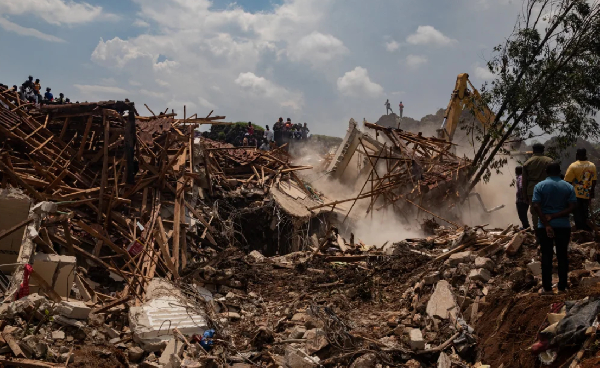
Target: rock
x: 295, y: 358
x: 115, y: 341
x: 96, y: 320
x: 432, y: 278
x: 515, y: 244
x: 535, y: 268
x: 518, y: 275
x: 64, y: 356
x: 189, y: 363
x: 590, y: 281
x: 591, y: 266
x: 412, y: 364
x: 480, y: 274
x: 297, y: 332
x: 444, y: 361
x: 416, y: 339
x: 68, y: 322
x: 483, y: 262
x: 368, y: 360
x: 256, y: 256
x: 231, y: 315
x: 58, y: 335
x: 399, y: 331
x: 442, y: 303
x: 173, y: 349
x: 35, y: 345
x: 316, y: 339
x: 458, y: 258
x: 73, y: 309
x: 111, y: 332
x: 28, y: 304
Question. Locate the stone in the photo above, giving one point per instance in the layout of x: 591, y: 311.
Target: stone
x: 29, y: 303
x: 416, y: 340
x: 432, y: 278
x: 591, y: 266
x: 535, y: 268
x: 483, y: 262
x: 444, y: 361
x: 68, y: 322
x: 399, y: 331
x: 518, y: 276
x: 174, y: 348
x: 256, y: 256
x: 111, y: 332
x: 115, y: 341
x: 64, y: 356
x: 316, y: 339
x: 368, y: 360
x: 442, y: 304
x: 232, y: 316
x: 35, y: 345
x: 58, y: 335
x: 589, y: 281
x: 480, y: 274
x: 189, y: 363
x: 515, y: 244
x: 412, y: 364
x: 73, y: 309
x: 297, y: 332
x: 458, y: 258
x: 295, y: 358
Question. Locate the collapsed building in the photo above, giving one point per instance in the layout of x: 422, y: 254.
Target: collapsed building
x: 126, y: 240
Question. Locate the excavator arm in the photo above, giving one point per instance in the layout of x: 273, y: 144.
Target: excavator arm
x: 463, y: 97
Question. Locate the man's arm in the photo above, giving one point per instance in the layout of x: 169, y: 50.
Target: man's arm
x: 562, y: 213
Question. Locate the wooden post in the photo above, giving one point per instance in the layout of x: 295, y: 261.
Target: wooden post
x: 130, y: 141
x: 88, y: 126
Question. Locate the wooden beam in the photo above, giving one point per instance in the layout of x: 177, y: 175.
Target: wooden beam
x: 88, y: 126
x: 11, y: 230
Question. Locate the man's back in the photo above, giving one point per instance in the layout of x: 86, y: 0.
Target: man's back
x: 554, y: 195
x: 581, y: 173
x: 534, y: 171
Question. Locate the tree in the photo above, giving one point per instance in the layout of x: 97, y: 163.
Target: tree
x: 548, y: 76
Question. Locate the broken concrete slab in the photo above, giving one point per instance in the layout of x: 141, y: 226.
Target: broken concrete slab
x: 174, y: 348
x: 135, y: 354
x: 416, y: 340
x: 483, y: 262
x: 316, y: 339
x: 368, y: 360
x: 256, y: 256
x: 295, y: 358
x: 535, y: 268
x: 480, y: 274
x: 458, y: 258
x: 58, y: 335
x: 444, y: 361
x: 56, y: 270
x: 442, y: 303
x: 74, y: 309
x: 164, y: 309
x: 432, y: 278
x: 15, y: 209
x: 68, y: 321
x: 515, y: 244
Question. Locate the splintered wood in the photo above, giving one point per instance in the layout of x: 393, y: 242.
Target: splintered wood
x: 408, y: 173
x: 127, y: 183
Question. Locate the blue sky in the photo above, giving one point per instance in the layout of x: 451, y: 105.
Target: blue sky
x: 315, y: 61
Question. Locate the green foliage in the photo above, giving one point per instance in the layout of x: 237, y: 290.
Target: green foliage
x: 546, y: 79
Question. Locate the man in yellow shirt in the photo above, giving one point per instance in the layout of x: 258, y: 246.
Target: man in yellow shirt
x: 582, y: 175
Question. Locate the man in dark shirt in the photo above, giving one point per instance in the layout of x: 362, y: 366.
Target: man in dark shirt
x: 534, y: 171
x: 522, y: 203
x: 553, y: 200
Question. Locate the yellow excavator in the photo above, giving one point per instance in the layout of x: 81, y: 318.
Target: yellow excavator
x: 463, y: 97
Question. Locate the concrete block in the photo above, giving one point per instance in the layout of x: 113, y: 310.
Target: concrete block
x: 416, y: 339
x: 174, y: 348
x: 295, y: 358
x: 458, y: 258
x: 58, y: 335
x: 74, y: 309
x: 14, y: 209
x: 442, y: 304
x: 49, y: 265
x: 483, y: 262
x: 535, y: 268
x: 432, y: 278
x: 480, y: 274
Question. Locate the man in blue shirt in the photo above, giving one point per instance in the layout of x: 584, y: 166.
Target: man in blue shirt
x: 553, y: 200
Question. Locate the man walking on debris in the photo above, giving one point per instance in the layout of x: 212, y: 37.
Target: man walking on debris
x: 388, y: 107
x: 582, y: 175
x: 553, y: 200
x: 522, y: 203
x: 534, y: 171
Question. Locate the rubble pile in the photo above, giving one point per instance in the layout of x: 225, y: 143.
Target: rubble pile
x: 127, y: 241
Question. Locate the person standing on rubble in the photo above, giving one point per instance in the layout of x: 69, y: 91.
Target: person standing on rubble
x: 582, y: 176
x: 388, y: 107
x: 61, y: 98
x: 278, y: 131
x: 534, y: 171
x: 522, y: 202
x: 305, y: 131
x: 553, y: 200
x: 268, y: 135
x: 48, y: 95
x: 401, y: 108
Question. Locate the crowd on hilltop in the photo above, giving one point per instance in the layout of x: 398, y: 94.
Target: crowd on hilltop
x: 282, y: 133
x: 30, y: 91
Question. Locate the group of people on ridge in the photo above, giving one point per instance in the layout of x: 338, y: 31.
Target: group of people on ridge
x: 552, y: 197
x: 30, y: 91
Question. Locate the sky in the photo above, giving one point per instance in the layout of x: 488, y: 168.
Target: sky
x: 316, y: 61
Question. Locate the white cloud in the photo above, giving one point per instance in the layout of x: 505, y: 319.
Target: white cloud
x: 357, y: 83
x: 141, y: 23
x: 484, y: 73
x: 317, y: 48
x: 117, y: 52
x: 23, y: 31
x: 55, y: 11
x: 427, y: 35
x: 88, y: 89
x: 262, y: 87
x: 153, y: 94
x: 392, y: 46
x: 414, y: 61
